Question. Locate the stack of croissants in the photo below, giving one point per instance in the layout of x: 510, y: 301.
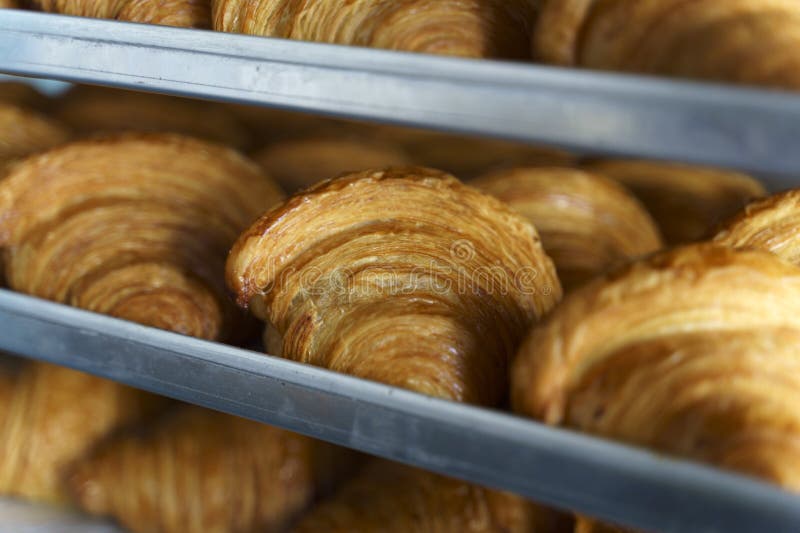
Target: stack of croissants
x: 737, y: 41
x: 641, y: 301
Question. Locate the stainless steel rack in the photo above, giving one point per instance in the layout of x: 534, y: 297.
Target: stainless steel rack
x: 591, y: 112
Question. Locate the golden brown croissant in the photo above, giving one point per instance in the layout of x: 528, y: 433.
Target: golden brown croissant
x: 769, y: 224
x: 183, y: 13
x: 206, y: 472
x: 24, y: 132
x: 403, y: 276
x: 300, y: 163
x: 739, y: 41
x: 89, y: 110
x: 388, y: 497
x: 49, y: 417
x: 587, y: 223
x: 9, y: 4
x: 135, y: 226
x: 471, y: 28
x: 692, y: 352
x: 686, y: 201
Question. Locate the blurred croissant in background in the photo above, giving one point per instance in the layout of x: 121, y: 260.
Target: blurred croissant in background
x: 388, y: 497
x: 24, y: 132
x: 91, y: 110
x: 23, y: 95
x: 296, y: 164
x: 198, y: 471
x: 182, y: 13
x: 50, y: 417
x: 469, y: 28
x: 587, y: 223
x: 737, y: 41
x: 404, y: 276
x: 686, y: 201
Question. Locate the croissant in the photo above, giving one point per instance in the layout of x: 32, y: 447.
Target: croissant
x: 299, y: 163
x: 182, y: 13
x: 49, y: 417
x: 469, y: 28
x: 769, y: 224
x: 89, y: 110
x: 403, y: 276
x: 388, y: 497
x: 201, y: 471
x: 587, y: 223
x: 24, y: 132
x: 470, y: 157
x: 9, y: 4
x: 22, y: 95
x: 737, y: 41
x: 134, y: 226
x: 686, y: 201
x: 692, y: 352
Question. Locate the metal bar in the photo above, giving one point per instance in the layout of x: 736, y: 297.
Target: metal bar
x: 556, y: 467
x: 599, y: 113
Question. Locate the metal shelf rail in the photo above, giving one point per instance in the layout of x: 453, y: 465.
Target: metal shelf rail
x: 552, y: 466
x: 592, y: 112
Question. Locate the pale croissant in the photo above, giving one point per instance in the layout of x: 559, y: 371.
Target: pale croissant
x: 136, y: 227
x: 470, y: 28
x: 738, y: 41
x: 391, y: 498
x: 686, y: 201
x: 296, y: 164
x: 198, y: 471
x: 91, y: 110
x: 403, y: 276
x: 50, y: 417
x: 182, y: 13
x: 693, y: 352
x: 587, y: 223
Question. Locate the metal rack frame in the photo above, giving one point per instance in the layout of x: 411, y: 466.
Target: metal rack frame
x: 592, y: 112
x: 552, y: 466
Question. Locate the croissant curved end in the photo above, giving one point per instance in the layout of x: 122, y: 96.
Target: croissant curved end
x: 769, y: 224
x: 703, y: 287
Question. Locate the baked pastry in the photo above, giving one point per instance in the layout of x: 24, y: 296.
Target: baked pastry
x: 769, y: 224
x: 692, y: 352
x: 403, y: 276
x: 182, y: 13
x: 470, y: 28
x: 686, y: 201
x: 587, y: 223
x: 49, y: 417
x: 134, y: 226
x: 206, y: 472
x: 737, y: 41
x: 391, y: 498
x: 296, y: 164
x: 9, y: 4
x: 90, y: 110
x: 24, y: 132
x: 469, y: 157
x: 22, y: 95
